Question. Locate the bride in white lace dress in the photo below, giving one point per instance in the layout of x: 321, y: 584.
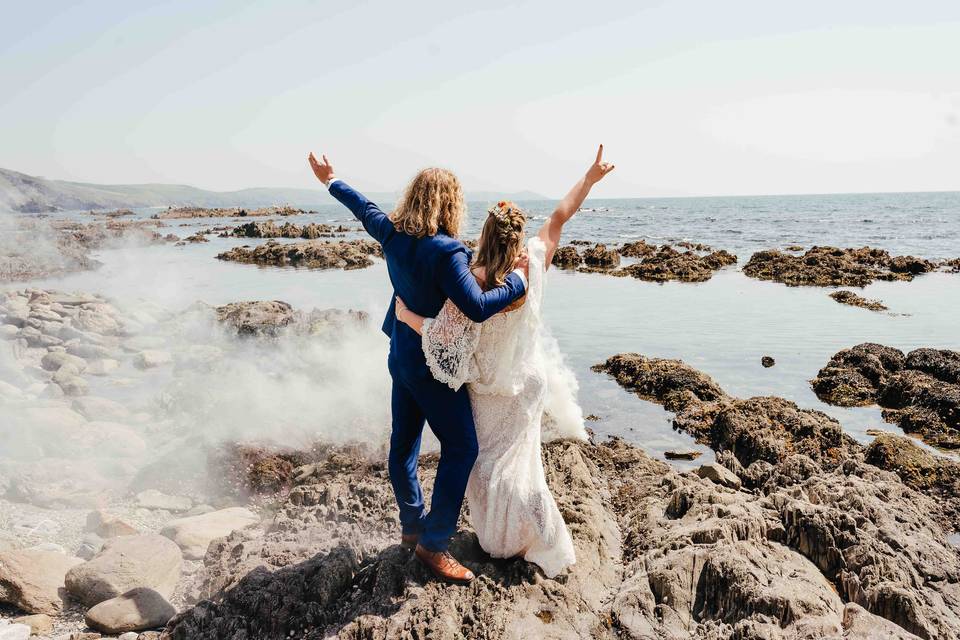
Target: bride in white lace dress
x: 518, y: 386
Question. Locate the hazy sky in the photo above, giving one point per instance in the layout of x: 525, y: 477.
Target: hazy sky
x: 689, y: 97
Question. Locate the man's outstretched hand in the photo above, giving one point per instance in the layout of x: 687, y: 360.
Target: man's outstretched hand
x: 598, y: 170
x: 323, y: 170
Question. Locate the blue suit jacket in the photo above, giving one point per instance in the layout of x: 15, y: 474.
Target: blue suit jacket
x: 424, y: 273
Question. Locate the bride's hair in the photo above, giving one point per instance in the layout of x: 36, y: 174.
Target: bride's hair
x: 432, y: 202
x: 501, y: 241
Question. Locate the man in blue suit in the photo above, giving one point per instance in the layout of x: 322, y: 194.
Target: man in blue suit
x: 427, y: 265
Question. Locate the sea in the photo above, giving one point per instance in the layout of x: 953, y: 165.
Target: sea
x: 722, y: 327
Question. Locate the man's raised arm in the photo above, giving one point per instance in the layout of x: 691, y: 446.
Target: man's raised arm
x: 369, y: 214
x: 458, y: 283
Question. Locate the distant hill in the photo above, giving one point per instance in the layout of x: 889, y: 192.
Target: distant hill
x: 32, y: 194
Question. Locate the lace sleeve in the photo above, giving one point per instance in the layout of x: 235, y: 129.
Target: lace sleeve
x: 449, y: 341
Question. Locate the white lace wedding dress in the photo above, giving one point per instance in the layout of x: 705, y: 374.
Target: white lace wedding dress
x: 518, y: 386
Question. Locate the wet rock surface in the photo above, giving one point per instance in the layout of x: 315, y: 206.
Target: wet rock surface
x: 852, y: 299
x: 919, y: 391
x: 567, y: 258
x: 832, y: 266
x: 312, y: 254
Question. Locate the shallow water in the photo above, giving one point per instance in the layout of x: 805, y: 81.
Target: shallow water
x: 721, y: 327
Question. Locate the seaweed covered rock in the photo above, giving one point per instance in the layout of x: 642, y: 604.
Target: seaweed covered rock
x: 638, y: 249
x: 599, y: 257
x: 312, y: 254
x: 566, y: 258
x: 919, y: 391
x: 831, y: 266
x: 852, y: 299
x: 688, y: 266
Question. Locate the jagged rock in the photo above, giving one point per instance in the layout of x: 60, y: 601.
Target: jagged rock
x: 852, y: 299
x: 124, y: 563
x: 33, y: 580
x: 566, y: 258
x: 193, y: 534
x: 919, y: 391
x: 313, y: 254
x: 767, y: 362
x: 830, y: 266
x: 135, y: 610
x: 659, y: 554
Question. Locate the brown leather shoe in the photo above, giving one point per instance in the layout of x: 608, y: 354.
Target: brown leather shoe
x: 444, y: 565
x: 409, y: 540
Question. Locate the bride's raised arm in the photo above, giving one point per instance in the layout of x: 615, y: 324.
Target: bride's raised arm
x: 552, y: 228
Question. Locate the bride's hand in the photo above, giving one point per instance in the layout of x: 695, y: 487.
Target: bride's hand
x: 523, y: 262
x: 599, y: 168
x: 323, y: 171
x: 398, y: 308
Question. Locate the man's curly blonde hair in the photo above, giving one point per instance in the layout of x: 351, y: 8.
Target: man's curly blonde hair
x: 432, y: 202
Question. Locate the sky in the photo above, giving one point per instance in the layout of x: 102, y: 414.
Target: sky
x: 689, y: 97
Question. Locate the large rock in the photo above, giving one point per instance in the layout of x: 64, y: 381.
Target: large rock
x: 194, y: 534
x: 135, y: 610
x: 124, y: 563
x: 33, y: 580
